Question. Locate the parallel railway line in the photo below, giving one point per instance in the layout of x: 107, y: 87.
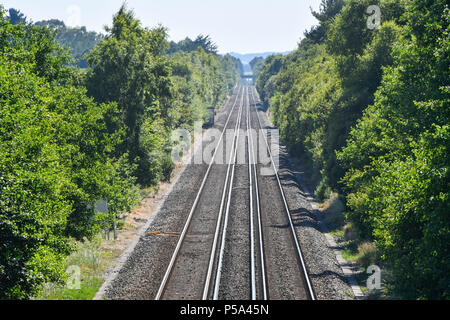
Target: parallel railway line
x: 219, y: 246
x: 295, y: 240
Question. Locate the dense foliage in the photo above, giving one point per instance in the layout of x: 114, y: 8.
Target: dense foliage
x: 257, y: 64
x: 69, y: 138
x: 155, y: 93
x: 201, y: 79
x: 55, y: 160
x: 370, y: 110
x: 188, y: 45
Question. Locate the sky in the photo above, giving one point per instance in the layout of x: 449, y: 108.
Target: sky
x: 244, y: 26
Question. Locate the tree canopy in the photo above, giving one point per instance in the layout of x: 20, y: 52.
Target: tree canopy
x: 369, y: 109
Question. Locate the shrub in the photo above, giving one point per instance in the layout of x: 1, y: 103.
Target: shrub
x: 367, y: 254
x: 323, y: 191
x: 350, y: 232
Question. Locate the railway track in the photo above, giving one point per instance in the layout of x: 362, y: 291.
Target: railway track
x: 164, y: 289
x: 301, y: 262
x: 228, y: 250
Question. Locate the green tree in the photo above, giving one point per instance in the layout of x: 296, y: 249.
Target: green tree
x: 188, y: 45
x: 272, y: 66
x: 328, y: 10
x: 128, y: 67
x: 55, y: 161
x: 77, y: 40
x: 16, y: 17
x: 397, y: 158
x: 257, y: 64
x: 372, y: 106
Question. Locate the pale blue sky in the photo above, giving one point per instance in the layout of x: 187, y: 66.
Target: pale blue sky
x: 244, y: 26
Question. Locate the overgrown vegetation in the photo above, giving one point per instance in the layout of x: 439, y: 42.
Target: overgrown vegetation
x: 70, y: 138
x: 369, y: 108
x: 257, y: 64
x: 88, y: 260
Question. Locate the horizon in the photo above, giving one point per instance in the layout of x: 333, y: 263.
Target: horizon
x: 269, y: 29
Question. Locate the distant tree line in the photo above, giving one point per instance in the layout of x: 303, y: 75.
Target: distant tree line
x: 188, y: 45
x: 69, y: 138
x: 369, y: 109
x: 257, y: 64
x: 78, y: 40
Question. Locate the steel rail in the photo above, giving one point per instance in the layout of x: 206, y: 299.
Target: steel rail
x: 252, y: 227
x: 294, y: 234
x: 219, y: 220
x: 191, y: 213
x: 227, y: 212
x: 253, y: 163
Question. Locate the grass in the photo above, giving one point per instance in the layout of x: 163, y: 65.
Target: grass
x: 89, y: 261
x: 87, y: 291
x: 353, y: 249
x: 350, y: 294
x: 333, y: 209
x: 337, y: 233
x: 364, y: 253
x: 149, y: 191
x: 350, y: 255
x: 367, y: 254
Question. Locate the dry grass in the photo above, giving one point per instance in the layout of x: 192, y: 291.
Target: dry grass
x: 333, y: 210
x: 367, y: 254
x: 350, y: 232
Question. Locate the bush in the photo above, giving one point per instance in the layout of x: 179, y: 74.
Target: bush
x: 334, y: 213
x: 323, y: 191
x: 367, y: 254
x: 167, y: 167
x: 350, y: 232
